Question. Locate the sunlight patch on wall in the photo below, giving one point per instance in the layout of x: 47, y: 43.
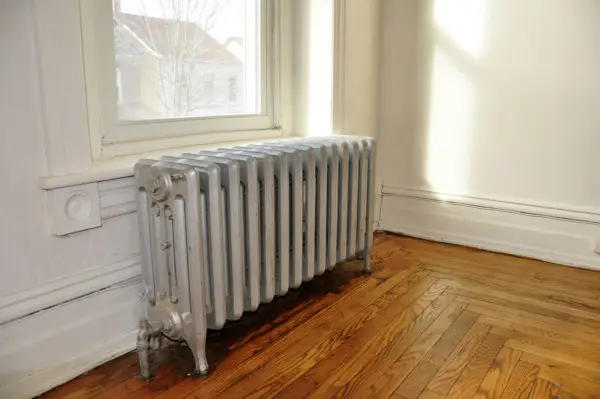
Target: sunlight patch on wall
x: 450, y: 124
x: 320, y: 91
x: 464, y: 22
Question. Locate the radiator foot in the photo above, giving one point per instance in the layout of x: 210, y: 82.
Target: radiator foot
x: 366, y: 257
x: 198, y: 373
x: 143, y: 348
x: 201, y: 367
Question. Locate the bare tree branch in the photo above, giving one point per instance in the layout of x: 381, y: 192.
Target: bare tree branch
x: 179, y: 39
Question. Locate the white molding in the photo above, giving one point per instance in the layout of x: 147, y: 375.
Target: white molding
x: 99, y: 175
x: 284, y: 87
x: 23, y: 303
x: 62, y: 85
x: 339, y: 65
x: 500, y: 246
x: 161, y: 144
x: 355, y: 67
x: 558, y: 234
x: 114, y: 211
x: 55, y: 345
x: 122, y: 167
x: 117, y: 198
x: 529, y: 208
x: 111, y: 137
x: 44, y: 380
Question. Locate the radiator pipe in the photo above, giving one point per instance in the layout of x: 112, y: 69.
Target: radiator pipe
x: 143, y: 346
x: 365, y: 256
x: 367, y: 259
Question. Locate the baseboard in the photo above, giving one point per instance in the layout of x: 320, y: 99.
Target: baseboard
x: 23, y: 303
x: 47, y: 379
x: 55, y: 345
x: 548, y: 232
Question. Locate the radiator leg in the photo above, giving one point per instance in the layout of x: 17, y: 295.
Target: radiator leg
x: 143, y: 348
x: 200, y: 357
x: 367, y: 260
x: 366, y: 257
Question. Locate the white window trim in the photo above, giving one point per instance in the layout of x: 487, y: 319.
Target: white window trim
x: 109, y: 138
x: 72, y: 156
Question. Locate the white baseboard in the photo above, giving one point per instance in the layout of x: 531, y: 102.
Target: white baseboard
x: 52, y: 346
x: 23, y: 303
x: 559, y: 234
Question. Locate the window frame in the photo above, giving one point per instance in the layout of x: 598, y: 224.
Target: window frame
x: 110, y: 137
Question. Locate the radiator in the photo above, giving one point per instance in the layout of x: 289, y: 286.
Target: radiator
x: 225, y: 230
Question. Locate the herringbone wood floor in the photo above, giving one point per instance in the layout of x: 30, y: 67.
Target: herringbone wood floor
x: 431, y: 321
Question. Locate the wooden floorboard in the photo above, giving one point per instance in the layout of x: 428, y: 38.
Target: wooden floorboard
x: 431, y: 321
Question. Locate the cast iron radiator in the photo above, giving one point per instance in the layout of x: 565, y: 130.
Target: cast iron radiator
x: 225, y: 230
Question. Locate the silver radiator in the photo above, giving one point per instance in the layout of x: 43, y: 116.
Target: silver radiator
x: 225, y: 230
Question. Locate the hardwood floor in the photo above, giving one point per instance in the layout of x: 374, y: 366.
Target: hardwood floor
x: 432, y: 321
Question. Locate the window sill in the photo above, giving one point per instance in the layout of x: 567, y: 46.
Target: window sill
x: 90, y: 176
x: 83, y: 201
x: 122, y: 166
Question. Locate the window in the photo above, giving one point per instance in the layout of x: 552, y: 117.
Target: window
x: 172, y: 68
x: 205, y: 97
x: 119, y: 87
x: 233, y: 89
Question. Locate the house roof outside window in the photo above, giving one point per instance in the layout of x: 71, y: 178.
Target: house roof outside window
x: 138, y: 34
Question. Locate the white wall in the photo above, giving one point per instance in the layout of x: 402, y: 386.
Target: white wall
x: 21, y: 126
x: 357, y: 72
x: 47, y: 336
x: 496, y: 103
